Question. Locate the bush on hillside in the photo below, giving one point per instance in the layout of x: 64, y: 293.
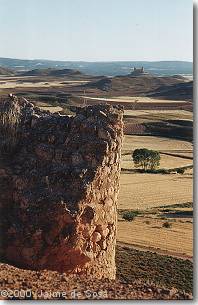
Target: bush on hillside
x: 167, y: 225
x: 129, y: 215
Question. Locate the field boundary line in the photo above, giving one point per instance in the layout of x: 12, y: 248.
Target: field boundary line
x: 154, y: 250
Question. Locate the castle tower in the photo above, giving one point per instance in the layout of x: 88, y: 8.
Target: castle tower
x: 60, y: 207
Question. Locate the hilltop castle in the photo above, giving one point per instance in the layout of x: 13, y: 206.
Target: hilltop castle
x: 138, y: 72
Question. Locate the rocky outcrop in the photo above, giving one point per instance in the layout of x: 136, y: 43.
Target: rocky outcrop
x: 61, y: 182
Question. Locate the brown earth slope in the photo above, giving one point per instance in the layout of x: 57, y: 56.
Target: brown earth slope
x: 51, y: 72
x: 6, y: 71
x: 136, y: 86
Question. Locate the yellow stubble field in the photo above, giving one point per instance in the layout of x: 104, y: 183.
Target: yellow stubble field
x: 151, y: 235
x: 144, y: 191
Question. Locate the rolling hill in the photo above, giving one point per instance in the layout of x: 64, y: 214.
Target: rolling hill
x: 6, y: 71
x: 183, y: 91
x: 168, y: 86
x: 110, y: 68
x: 52, y: 72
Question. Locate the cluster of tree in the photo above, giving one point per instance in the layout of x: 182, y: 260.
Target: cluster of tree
x: 130, y: 215
x: 146, y: 159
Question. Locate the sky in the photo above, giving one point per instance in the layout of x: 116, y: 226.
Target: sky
x: 97, y: 30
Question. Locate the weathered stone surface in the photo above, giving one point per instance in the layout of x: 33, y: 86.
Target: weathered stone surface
x: 60, y: 186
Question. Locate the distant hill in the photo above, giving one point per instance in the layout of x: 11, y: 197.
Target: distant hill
x: 6, y: 71
x: 102, y: 68
x: 169, y: 86
x: 104, y: 84
x: 180, y: 91
x: 51, y: 72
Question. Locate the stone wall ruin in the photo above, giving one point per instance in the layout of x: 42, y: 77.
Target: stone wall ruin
x: 59, y: 180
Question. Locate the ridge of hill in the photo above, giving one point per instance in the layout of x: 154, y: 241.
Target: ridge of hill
x: 102, y: 68
x: 146, y: 85
x: 51, y: 72
x: 176, y: 91
x: 6, y: 71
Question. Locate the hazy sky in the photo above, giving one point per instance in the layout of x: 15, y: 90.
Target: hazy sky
x: 96, y: 29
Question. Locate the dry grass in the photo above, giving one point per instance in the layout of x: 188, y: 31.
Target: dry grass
x: 142, y: 191
x: 133, y: 265
x: 177, y: 240
x: 13, y: 82
x: 156, y: 143
x: 9, y: 126
x: 134, y: 99
x: 52, y: 109
x: 158, y: 115
x: 175, y: 113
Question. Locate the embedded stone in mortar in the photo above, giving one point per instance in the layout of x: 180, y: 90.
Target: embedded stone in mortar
x: 60, y: 211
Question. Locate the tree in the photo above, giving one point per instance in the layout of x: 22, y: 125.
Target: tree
x: 130, y: 215
x: 181, y: 170
x: 154, y: 159
x: 167, y: 225
x: 146, y: 158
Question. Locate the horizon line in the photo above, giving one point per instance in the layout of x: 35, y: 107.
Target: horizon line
x: 97, y: 61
